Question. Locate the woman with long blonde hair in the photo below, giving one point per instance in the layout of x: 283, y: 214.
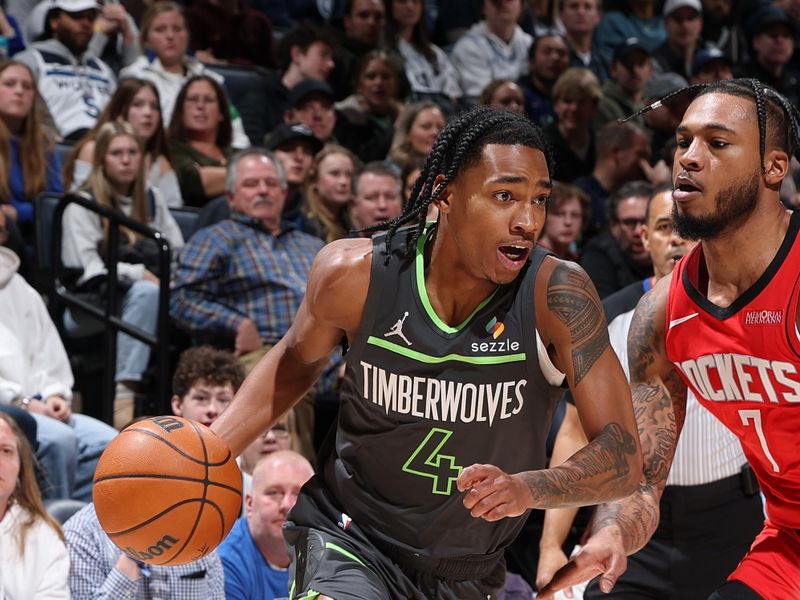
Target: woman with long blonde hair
x: 34, y: 562
x: 28, y: 164
x: 118, y: 182
x: 328, y: 189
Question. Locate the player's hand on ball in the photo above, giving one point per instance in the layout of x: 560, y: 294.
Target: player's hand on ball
x: 492, y: 494
x: 604, y: 554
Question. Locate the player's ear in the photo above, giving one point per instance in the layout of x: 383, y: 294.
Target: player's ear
x: 776, y: 163
x: 177, y: 405
x: 443, y: 201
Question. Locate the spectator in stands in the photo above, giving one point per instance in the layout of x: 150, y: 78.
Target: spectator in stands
x: 35, y: 374
x: 579, y: 19
x: 281, y: 436
x: 772, y: 34
x: 118, y: 182
x: 637, y: 19
x: 365, y: 120
x: 723, y: 22
x: 408, y: 177
x: 363, y: 25
x: 495, y: 48
x: 116, y: 36
x: 568, y: 212
x: 294, y: 146
x: 101, y: 570
x: 503, y: 93
x: 200, y: 139
x: 662, y: 121
x: 305, y: 52
x: 33, y: 559
x: 631, y: 69
x: 616, y: 258
x: 241, y: 280
x: 23, y: 174
x: 204, y: 383
x: 329, y: 189
x: 711, y: 64
x: 548, y: 59
x: 621, y: 149
x: 74, y: 84
x: 230, y: 31
x: 377, y: 196
x: 310, y: 102
x: 683, y: 22
x: 165, y: 63
x: 416, y: 131
x: 427, y: 67
x: 135, y: 101
x: 571, y: 139
x: 254, y: 555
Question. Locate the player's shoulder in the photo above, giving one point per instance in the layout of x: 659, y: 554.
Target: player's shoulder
x: 557, y: 272
x: 342, y: 264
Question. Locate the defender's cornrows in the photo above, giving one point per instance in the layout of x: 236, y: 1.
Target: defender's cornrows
x: 784, y: 116
x: 459, y: 146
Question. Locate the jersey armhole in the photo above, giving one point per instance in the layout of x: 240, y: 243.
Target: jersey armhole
x: 549, y: 370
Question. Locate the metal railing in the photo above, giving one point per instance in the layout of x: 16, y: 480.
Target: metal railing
x: 60, y: 295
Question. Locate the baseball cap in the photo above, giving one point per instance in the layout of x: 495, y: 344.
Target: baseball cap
x: 305, y: 88
x: 629, y: 46
x: 285, y: 133
x: 707, y: 56
x: 74, y: 6
x: 671, y: 6
x: 661, y: 84
x: 766, y: 17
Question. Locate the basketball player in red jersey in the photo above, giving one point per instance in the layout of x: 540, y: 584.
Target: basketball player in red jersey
x: 726, y: 325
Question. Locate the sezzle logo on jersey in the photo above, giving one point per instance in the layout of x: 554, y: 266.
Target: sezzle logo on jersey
x: 496, y: 328
x: 736, y: 377
x: 763, y: 317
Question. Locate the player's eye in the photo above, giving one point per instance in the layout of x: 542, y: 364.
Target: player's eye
x: 504, y: 196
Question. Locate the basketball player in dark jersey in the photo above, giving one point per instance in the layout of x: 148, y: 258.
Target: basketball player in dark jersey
x: 458, y: 333
x: 725, y: 323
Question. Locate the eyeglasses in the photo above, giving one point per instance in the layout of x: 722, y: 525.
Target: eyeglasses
x: 201, y: 100
x: 280, y: 431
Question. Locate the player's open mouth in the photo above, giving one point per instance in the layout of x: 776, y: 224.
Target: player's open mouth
x: 685, y: 189
x: 512, y: 256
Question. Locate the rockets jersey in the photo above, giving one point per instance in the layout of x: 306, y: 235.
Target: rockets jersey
x: 421, y: 400
x: 742, y: 364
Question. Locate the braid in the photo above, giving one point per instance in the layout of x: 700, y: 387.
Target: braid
x: 458, y: 146
x: 766, y: 99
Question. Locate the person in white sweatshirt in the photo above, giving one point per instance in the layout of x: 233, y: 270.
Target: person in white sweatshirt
x: 118, y: 181
x: 34, y: 563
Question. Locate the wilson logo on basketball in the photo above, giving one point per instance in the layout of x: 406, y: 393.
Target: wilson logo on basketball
x: 168, y: 424
x: 763, y: 317
x: 157, y: 549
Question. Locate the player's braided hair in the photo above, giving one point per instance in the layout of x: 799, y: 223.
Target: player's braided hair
x: 459, y: 146
x: 784, y: 118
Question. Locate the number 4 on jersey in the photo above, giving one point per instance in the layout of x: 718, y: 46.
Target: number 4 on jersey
x: 426, y: 461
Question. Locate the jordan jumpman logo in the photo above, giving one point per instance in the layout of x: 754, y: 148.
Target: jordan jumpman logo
x: 397, y: 329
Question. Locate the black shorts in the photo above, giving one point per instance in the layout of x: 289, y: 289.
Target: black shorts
x: 343, y: 563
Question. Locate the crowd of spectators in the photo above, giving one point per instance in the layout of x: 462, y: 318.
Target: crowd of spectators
x: 289, y: 125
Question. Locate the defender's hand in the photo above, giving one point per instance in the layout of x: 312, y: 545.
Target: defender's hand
x: 604, y: 554
x: 492, y: 494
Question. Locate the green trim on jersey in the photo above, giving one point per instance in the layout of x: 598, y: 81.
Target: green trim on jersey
x: 419, y: 263
x: 309, y: 595
x: 347, y: 553
x: 433, y: 360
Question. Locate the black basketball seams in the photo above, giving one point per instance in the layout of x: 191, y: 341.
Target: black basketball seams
x: 178, y: 450
x: 175, y: 477
x: 153, y: 518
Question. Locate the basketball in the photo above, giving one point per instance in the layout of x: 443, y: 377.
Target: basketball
x: 167, y: 490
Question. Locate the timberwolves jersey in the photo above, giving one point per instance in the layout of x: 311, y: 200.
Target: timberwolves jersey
x: 742, y: 363
x: 422, y: 400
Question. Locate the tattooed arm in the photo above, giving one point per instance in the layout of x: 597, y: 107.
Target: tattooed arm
x: 659, y: 400
x: 569, y: 317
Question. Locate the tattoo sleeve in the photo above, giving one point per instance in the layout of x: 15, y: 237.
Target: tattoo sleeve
x: 595, y: 473
x: 659, y: 403
x: 572, y: 300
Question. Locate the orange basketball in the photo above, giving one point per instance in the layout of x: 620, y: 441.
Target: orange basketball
x: 167, y: 490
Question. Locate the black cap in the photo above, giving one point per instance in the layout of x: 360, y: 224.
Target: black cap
x: 305, y: 88
x: 707, y: 56
x: 626, y: 48
x: 766, y: 17
x: 25, y: 422
x: 285, y: 133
